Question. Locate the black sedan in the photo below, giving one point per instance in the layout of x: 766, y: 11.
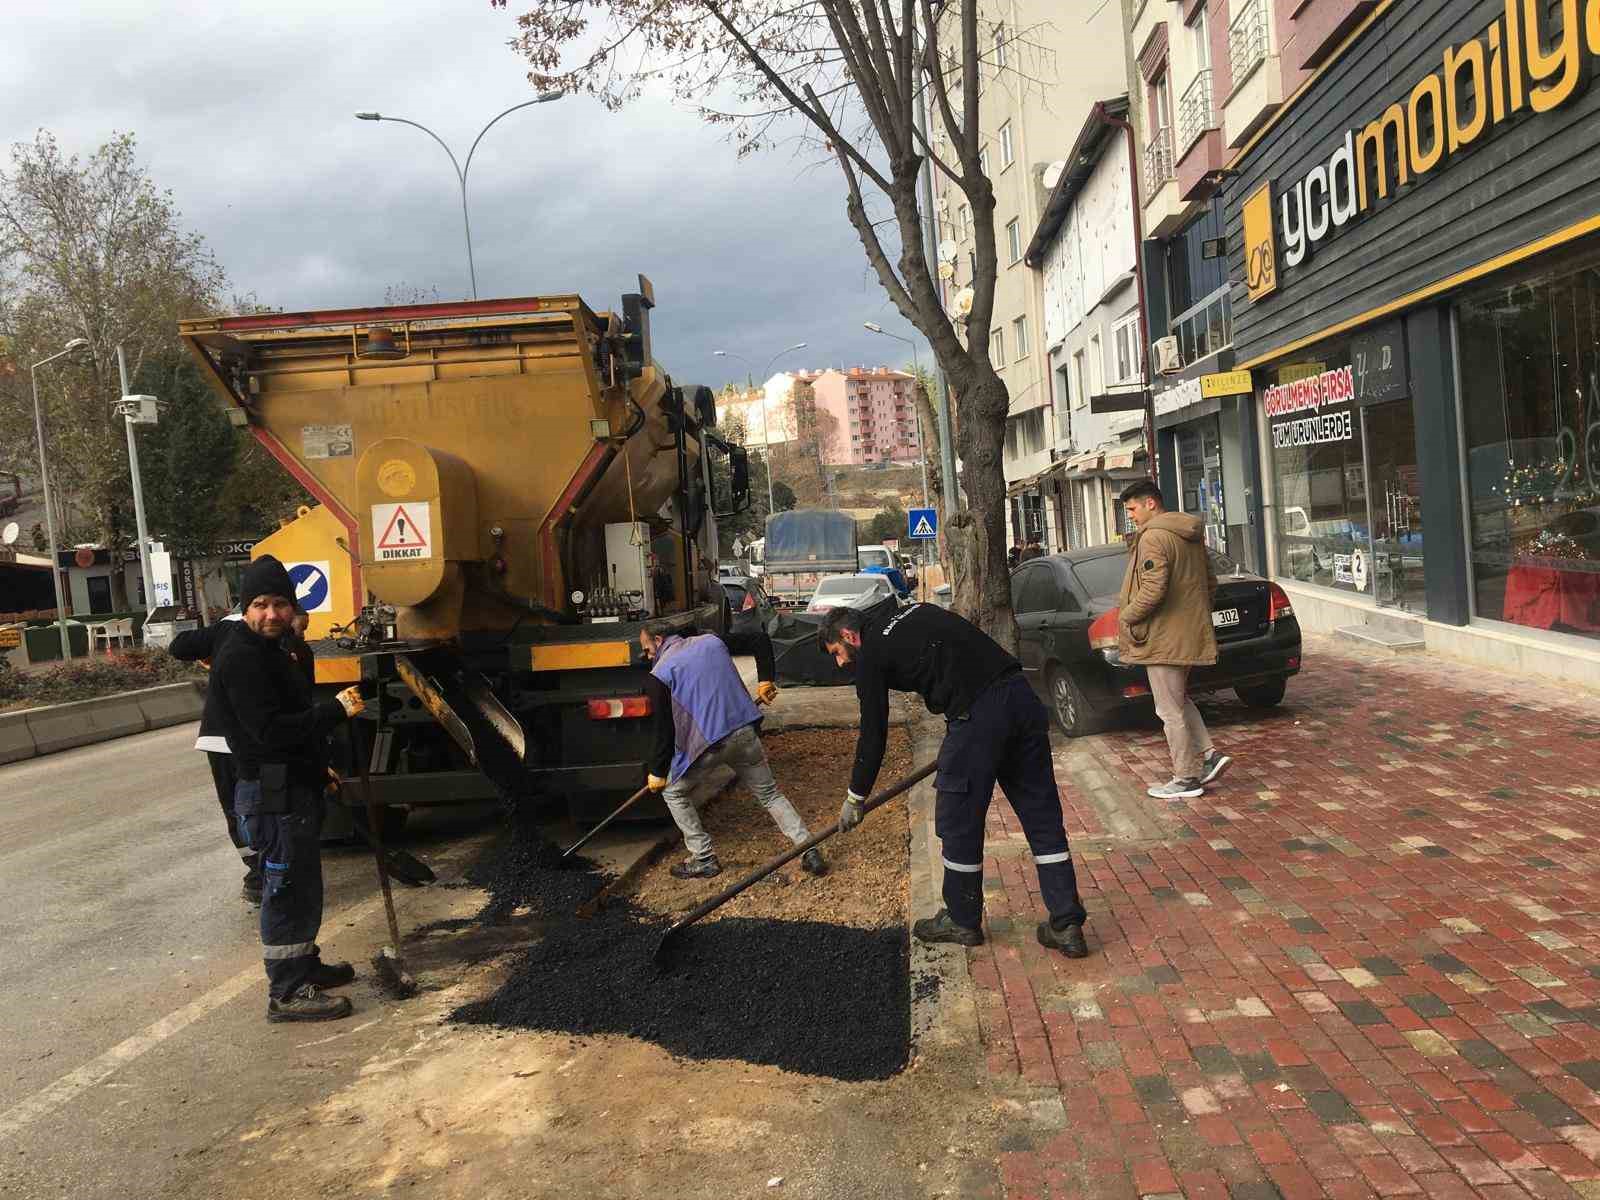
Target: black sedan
x: 751, y: 608
x: 1066, y: 606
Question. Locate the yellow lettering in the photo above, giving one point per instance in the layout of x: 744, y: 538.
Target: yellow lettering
x: 1497, y: 79
x: 1568, y: 60
x: 1394, y: 120
x: 1421, y: 163
x: 1514, y: 54
x: 1470, y: 55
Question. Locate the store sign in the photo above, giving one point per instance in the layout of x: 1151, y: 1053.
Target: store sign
x: 1179, y: 395
x: 1226, y: 383
x: 1314, y: 392
x: 1520, y: 63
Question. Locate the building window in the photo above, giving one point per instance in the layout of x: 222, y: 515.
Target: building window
x: 1019, y: 334
x: 983, y: 162
x: 1529, y: 371
x: 1080, y: 379
x: 1097, y: 366
x: 999, y: 45
x: 997, y: 347
x: 966, y: 221
x: 1014, y: 239
x: 1025, y: 434
x: 1125, y: 342
x: 1200, y: 38
x: 1008, y: 153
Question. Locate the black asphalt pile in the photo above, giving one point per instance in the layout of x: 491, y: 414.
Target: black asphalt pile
x: 803, y: 996
x: 523, y: 870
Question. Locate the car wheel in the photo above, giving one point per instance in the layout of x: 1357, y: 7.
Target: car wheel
x: 1263, y: 695
x: 1068, y: 706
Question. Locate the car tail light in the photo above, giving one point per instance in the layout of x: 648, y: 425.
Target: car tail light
x: 1135, y: 690
x: 749, y: 603
x: 619, y: 707
x: 1294, y: 662
x: 1278, y: 603
x: 1103, y: 631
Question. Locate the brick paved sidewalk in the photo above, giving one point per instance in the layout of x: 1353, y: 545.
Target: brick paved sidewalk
x: 1366, y: 963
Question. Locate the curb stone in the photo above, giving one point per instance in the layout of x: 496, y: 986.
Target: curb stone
x: 34, y: 732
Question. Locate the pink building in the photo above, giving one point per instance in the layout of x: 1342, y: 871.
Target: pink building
x: 874, y: 418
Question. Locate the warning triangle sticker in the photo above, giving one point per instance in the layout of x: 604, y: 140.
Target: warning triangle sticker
x: 402, y: 533
x: 923, y: 528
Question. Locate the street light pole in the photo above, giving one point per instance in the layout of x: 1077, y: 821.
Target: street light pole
x: 72, y: 347
x: 138, y: 492
x: 461, y: 171
x: 916, y: 359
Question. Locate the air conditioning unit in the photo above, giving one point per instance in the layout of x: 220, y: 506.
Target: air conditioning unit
x: 1168, y: 360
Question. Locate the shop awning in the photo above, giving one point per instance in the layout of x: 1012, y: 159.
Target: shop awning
x: 1122, y: 460
x: 1027, y: 482
x: 1082, y: 464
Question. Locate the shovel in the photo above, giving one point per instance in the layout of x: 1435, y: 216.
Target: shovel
x: 664, y: 950
x: 390, y: 967
x: 626, y: 805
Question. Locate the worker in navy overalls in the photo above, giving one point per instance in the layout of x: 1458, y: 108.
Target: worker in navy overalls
x: 996, y: 731
x: 704, y: 719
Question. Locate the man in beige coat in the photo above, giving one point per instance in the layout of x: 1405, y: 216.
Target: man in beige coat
x: 1166, y: 626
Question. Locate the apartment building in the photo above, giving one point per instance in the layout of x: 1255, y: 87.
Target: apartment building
x: 1044, y: 63
x: 871, y: 416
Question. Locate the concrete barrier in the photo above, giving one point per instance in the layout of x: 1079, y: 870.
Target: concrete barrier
x: 38, y: 731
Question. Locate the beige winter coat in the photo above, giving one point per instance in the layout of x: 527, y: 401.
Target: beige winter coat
x: 1166, y: 595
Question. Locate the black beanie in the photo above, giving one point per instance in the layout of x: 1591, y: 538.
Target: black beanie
x: 264, y: 577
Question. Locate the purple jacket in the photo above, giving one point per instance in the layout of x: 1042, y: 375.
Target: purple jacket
x: 709, y: 700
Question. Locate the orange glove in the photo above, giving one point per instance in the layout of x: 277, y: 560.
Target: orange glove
x: 655, y: 783
x: 334, y: 782
x: 350, y: 699
x: 766, y: 693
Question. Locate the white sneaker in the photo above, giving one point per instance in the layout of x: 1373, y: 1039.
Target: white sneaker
x: 1177, y: 789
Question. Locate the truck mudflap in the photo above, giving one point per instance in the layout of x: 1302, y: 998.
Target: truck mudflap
x: 461, y: 701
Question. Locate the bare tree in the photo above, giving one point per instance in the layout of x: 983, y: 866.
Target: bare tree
x: 90, y: 248
x: 853, y: 74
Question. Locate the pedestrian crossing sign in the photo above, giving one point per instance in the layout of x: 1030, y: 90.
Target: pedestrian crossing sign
x: 922, y: 523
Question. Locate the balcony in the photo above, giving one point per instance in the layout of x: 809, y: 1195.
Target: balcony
x: 1158, y: 162
x: 1257, y: 72
x: 1195, y: 111
x: 1164, y: 210
x: 1205, y: 328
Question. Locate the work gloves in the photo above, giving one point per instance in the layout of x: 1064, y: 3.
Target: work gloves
x: 851, y: 813
x: 352, y: 703
x: 766, y: 692
x: 335, y: 783
x: 655, y: 783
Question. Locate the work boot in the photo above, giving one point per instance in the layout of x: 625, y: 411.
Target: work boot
x: 1214, y: 767
x: 812, y: 862
x: 940, y: 928
x: 332, y: 975
x: 1068, y: 940
x: 697, y: 868
x: 308, y: 1003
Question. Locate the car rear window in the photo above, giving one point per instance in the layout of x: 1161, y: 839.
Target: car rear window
x: 735, y: 594
x: 844, y: 585
x: 1102, y: 577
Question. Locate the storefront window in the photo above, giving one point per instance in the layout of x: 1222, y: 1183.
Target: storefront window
x: 1530, y: 381
x: 1316, y: 440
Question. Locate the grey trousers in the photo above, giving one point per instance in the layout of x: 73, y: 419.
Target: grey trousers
x: 1187, y: 737
x: 742, y: 751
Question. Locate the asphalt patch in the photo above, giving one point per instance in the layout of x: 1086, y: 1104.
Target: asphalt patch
x: 804, y: 996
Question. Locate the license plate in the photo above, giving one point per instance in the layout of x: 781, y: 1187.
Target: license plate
x: 1224, y: 617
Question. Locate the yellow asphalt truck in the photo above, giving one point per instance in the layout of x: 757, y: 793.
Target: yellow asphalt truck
x: 507, y: 492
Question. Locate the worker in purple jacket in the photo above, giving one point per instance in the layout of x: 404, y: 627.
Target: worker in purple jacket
x: 704, y: 719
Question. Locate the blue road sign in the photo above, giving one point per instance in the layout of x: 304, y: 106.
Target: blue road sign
x: 922, y: 523
x: 310, y: 581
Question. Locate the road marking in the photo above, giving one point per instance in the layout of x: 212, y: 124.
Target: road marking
x: 74, y: 1083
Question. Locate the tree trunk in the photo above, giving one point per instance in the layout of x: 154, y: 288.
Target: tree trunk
x: 981, y: 440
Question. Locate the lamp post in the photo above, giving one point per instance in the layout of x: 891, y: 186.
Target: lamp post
x: 461, y: 171
x: 766, y: 442
x: 131, y: 416
x: 71, y: 347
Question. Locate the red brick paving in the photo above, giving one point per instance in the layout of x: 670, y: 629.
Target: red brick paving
x: 1366, y: 964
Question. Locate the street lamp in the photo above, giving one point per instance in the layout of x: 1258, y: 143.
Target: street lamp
x: 461, y: 171
x: 766, y: 442
x: 72, y: 347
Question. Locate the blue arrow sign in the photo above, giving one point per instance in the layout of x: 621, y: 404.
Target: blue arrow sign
x: 310, y: 581
x: 922, y: 523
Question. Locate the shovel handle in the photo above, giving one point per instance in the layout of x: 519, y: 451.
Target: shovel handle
x: 760, y: 873
x: 624, y: 807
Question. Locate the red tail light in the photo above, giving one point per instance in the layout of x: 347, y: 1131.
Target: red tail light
x: 1134, y: 690
x: 619, y: 707
x: 1103, y: 631
x: 749, y: 603
x: 1278, y: 603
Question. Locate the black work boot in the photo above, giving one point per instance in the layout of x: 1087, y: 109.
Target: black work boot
x: 697, y: 868
x: 309, y: 1003
x: 940, y: 928
x: 332, y: 975
x: 1068, y: 940
x: 813, y: 863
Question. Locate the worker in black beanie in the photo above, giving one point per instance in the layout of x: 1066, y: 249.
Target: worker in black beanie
x: 278, y: 734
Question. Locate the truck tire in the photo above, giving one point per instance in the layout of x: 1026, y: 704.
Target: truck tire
x: 1263, y: 695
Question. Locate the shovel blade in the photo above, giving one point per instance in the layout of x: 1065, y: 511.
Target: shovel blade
x: 666, y: 949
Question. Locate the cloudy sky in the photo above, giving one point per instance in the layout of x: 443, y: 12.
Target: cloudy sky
x: 243, y: 109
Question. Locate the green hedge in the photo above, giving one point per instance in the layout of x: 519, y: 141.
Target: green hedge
x: 87, y: 679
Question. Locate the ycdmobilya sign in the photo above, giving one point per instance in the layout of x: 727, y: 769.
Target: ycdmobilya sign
x: 1520, y: 63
